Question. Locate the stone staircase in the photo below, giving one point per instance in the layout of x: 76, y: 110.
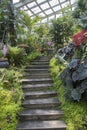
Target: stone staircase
x: 41, y: 107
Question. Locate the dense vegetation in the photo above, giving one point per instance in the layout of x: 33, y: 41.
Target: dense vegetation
x: 26, y: 41
x: 75, y: 114
x: 68, y: 69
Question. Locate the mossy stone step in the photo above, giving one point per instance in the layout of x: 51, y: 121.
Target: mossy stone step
x: 37, y: 81
x: 37, y: 66
x: 40, y: 63
x: 42, y: 59
x: 41, y: 103
x: 36, y: 70
x: 37, y: 87
x: 36, y: 75
x: 42, y: 125
x: 41, y: 114
x: 39, y: 94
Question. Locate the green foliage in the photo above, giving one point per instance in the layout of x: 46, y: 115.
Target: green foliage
x: 1, y: 54
x: 82, y: 21
x: 32, y: 56
x: 75, y: 114
x: 15, y: 55
x: 7, y: 19
x: 80, y: 13
x: 43, y: 34
x: 10, y: 98
x: 25, y: 28
x: 61, y: 28
x: 82, y: 5
x: 74, y: 78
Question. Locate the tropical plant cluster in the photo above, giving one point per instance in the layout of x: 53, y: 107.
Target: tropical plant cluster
x: 74, y: 75
x: 75, y: 113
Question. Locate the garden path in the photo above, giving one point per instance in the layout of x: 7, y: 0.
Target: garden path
x: 41, y: 107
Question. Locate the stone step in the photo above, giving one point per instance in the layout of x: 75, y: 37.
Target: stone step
x: 39, y: 94
x: 36, y: 75
x: 36, y: 70
x: 37, y: 66
x: 42, y: 125
x: 37, y: 87
x: 42, y: 58
x: 41, y: 114
x: 37, y: 81
x: 41, y: 103
x: 39, y: 63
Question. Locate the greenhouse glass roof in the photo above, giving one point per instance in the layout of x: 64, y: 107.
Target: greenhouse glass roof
x: 47, y: 9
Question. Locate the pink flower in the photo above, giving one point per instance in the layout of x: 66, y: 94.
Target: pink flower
x: 4, y: 50
x: 49, y: 43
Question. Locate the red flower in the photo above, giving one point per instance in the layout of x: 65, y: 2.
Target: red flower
x: 80, y: 38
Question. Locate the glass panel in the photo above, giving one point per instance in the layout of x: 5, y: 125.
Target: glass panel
x: 65, y: 4
x: 40, y: 1
x: 29, y: 12
x: 62, y: 1
x: 49, y: 11
x: 51, y: 17
x: 44, y: 20
x: 44, y: 6
x: 53, y: 2
x: 58, y: 15
x: 56, y: 8
x: 73, y: 1
x: 25, y: 8
x: 32, y: 4
x: 36, y: 10
x: 15, y: 1
x: 41, y: 14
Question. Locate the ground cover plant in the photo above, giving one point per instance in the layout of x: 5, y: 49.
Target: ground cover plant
x: 10, y: 98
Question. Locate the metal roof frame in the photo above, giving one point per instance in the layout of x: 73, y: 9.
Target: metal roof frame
x: 39, y: 4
